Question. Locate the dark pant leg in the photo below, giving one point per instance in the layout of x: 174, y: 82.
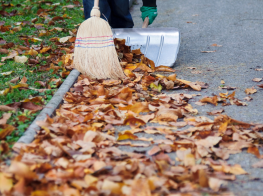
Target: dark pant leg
x: 104, y: 8
x: 120, y: 14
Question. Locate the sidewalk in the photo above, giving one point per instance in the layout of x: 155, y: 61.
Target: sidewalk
x: 236, y: 27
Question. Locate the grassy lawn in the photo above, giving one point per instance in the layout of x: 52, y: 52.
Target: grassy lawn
x: 31, y: 31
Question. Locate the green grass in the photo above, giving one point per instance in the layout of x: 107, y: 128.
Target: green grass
x: 33, y: 73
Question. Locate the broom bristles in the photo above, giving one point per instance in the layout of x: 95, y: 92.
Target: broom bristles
x: 95, y: 54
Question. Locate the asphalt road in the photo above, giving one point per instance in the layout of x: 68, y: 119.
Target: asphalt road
x: 235, y: 25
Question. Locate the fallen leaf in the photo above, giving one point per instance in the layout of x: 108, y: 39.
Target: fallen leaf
x: 30, y: 106
x: 164, y: 68
x: 45, y: 49
x: 250, y: 90
x: 257, y: 79
x: 154, y: 150
x: 248, y: 98
x: 215, y: 45
x: 5, y: 117
x: 215, y: 112
x: 64, y: 39
x: 7, y: 130
x: 212, y: 100
x: 14, y: 80
x: 5, y: 108
x: 21, y: 170
x: 254, y: 150
x: 10, y: 55
x: 126, y: 135
x: 215, y: 183
x: 23, y: 80
x: 6, y: 183
x: 68, y: 6
x: 6, y: 73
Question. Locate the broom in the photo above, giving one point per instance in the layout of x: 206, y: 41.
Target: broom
x: 95, y: 54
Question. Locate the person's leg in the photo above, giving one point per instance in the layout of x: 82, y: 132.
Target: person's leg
x: 120, y: 14
x: 104, y: 8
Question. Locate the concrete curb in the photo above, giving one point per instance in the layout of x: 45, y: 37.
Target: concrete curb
x: 50, y: 108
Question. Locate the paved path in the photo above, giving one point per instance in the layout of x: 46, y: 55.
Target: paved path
x: 237, y: 25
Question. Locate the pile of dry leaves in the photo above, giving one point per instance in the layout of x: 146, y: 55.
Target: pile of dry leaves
x: 76, y: 152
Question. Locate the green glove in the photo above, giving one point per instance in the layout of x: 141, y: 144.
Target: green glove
x: 151, y: 12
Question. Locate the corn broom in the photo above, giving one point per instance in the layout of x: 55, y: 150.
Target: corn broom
x: 95, y: 54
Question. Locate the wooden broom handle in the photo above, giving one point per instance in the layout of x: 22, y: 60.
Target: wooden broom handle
x: 146, y: 22
x: 96, y: 3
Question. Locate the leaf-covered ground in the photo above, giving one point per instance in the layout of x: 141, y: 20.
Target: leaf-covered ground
x: 36, y: 45
x: 80, y: 150
x: 77, y: 152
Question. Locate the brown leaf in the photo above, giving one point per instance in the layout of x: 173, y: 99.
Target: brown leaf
x: 215, y: 45
x: 14, y: 80
x: 137, y: 107
x: 23, y: 80
x: 30, y: 106
x: 7, y: 130
x: 6, y: 183
x: 11, y: 55
x: 257, y: 79
x: 140, y: 187
x: 210, y: 141
x: 56, y: 18
x: 154, y: 150
x: 3, y: 51
x: 45, y: 49
x: 164, y: 68
x: 215, y: 112
x: 6, y: 116
x: 260, y: 86
x: 6, y: 108
x: 250, y: 91
x: 215, y: 183
x: 212, y: 100
x: 254, y: 150
x: 22, y: 170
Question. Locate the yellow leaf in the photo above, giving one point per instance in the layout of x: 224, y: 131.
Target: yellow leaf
x: 45, y: 49
x: 6, y: 183
x: 6, y: 131
x: 126, y: 136
x: 20, y: 85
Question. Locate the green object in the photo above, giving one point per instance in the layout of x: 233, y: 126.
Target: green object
x: 150, y: 12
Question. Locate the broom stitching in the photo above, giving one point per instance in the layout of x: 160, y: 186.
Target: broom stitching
x: 79, y: 46
x: 93, y: 40
x: 94, y: 37
x: 93, y: 43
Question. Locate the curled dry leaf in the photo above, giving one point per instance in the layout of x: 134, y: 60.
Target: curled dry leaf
x: 257, y: 79
x: 212, y: 100
x: 10, y: 55
x: 215, y: 112
x: 249, y: 91
x: 6, y: 108
x: 4, y: 118
x: 126, y: 135
x: 164, y: 68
